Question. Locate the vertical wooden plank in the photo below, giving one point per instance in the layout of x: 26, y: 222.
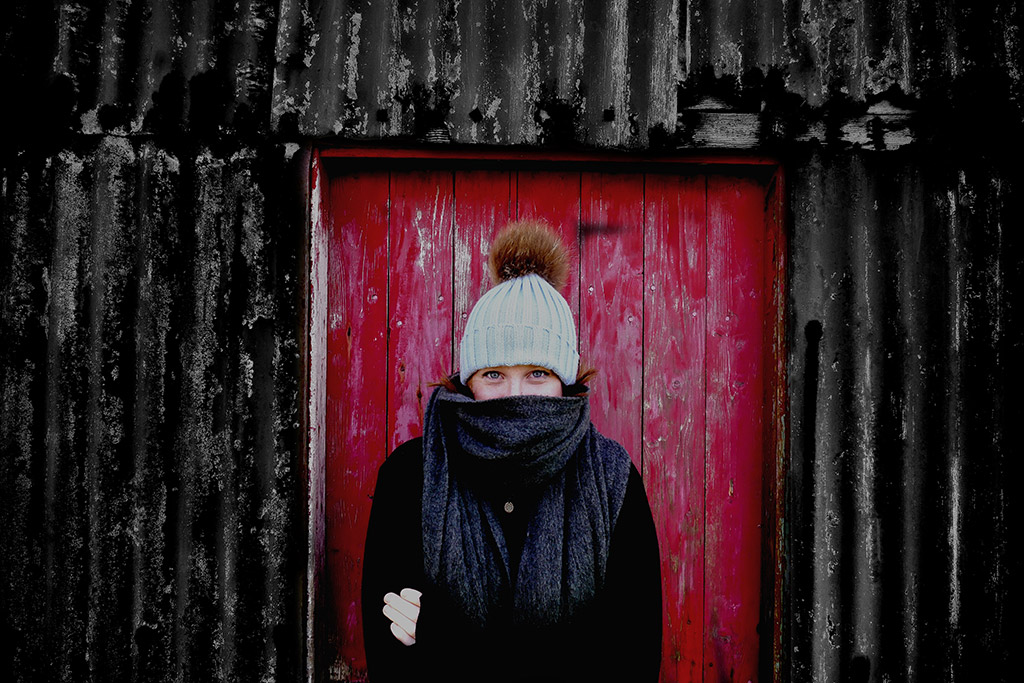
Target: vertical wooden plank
x: 555, y: 197
x: 356, y: 394
x: 611, y: 301
x: 316, y: 604
x: 735, y: 427
x: 775, y: 408
x: 675, y: 281
x: 419, y: 295
x: 482, y: 207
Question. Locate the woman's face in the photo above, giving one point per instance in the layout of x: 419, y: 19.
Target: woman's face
x: 514, y: 380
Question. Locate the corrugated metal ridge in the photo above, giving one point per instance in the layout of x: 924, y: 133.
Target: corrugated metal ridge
x: 614, y: 74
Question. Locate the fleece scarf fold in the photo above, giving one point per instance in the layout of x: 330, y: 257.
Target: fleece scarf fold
x: 475, y: 453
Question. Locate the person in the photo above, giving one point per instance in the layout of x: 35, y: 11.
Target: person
x: 512, y: 541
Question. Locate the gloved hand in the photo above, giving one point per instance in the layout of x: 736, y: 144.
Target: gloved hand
x: 403, y: 610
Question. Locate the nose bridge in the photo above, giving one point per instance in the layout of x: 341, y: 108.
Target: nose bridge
x: 515, y: 385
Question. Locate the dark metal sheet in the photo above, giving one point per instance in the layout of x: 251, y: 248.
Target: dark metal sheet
x: 613, y: 74
x: 152, y: 515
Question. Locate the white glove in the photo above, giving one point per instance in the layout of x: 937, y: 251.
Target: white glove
x: 403, y: 611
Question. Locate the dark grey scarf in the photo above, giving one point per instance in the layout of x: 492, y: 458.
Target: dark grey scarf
x: 474, y: 453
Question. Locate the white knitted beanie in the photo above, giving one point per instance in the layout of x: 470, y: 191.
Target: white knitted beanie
x: 522, y: 319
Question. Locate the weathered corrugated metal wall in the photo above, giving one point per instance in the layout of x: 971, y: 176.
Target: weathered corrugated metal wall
x: 907, y: 287
x: 603, y: 74
x: 152, y: 505
x: 152, y: 514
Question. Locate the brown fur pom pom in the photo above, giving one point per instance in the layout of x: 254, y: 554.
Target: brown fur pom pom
x: 529, y: 246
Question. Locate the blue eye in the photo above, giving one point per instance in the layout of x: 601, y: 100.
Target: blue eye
x: 540, y: 374
x: 492, y: 374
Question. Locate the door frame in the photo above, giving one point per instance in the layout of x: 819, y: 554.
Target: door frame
x: 315, y: 355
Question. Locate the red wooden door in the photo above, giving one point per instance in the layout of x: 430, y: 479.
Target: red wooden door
x: 677, y: 299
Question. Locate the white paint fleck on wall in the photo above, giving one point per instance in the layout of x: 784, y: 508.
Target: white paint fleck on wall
x: 492, y: 108
x: 352, y: 58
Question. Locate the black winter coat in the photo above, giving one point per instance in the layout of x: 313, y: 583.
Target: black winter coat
x: 616, y: 638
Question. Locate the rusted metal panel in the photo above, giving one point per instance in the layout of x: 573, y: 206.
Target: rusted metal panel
x: 904, y: 283
x: 613, y: 74
x: 153, y: 442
